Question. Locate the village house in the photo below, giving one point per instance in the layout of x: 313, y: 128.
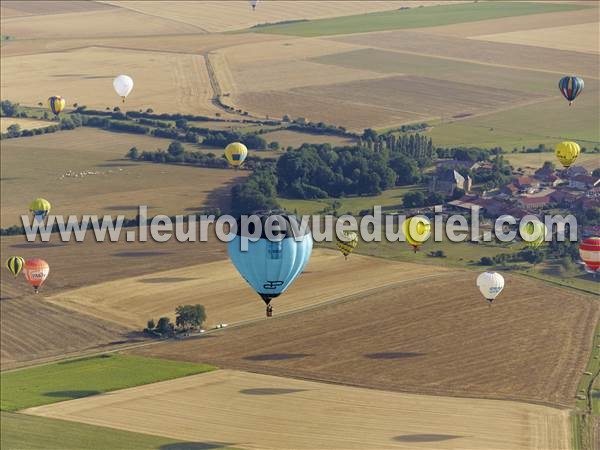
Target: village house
x: 447, y: 182
x: 583, y: 182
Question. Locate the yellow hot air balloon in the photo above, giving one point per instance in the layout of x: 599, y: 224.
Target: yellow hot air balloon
x: 417, y: 230
x: 349, y: 243
x: 533, y: 233
x: 567, y: 152
x: 236, y: 153
x: 40, y: 208
x: 15, y: 265
x: 56, y: 104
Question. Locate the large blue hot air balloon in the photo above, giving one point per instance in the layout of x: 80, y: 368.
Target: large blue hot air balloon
x: 570, y: 87
x: 271, y: 265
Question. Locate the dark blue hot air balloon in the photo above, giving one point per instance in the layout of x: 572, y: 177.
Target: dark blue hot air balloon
x: 570, y: 87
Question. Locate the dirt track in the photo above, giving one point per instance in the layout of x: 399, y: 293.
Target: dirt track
x: 432, y: 336
x: 264, y: 412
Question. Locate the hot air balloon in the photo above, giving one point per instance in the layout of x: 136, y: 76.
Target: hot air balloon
x: 570, y: 87
x: 236, y: 153
x: 40, y: 208
x: 123, y: 85
x: 417, y: 230
x: 567, y: 152
x: 15, y: 265
x: 533, y: 233
x: 269, y: 266
x: 589, y: 251
x: 253, y: 3
x: 349, y: 243
x: 56, y: 104
x: 490, y: 284
x: 36, y: 271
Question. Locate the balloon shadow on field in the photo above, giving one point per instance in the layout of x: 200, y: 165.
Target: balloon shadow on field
x: 426, y: 437
x: 37, y: 245
x: 71, y: 394
x: 195, y: 446
x: 393, y: 355
x: 140, y: 254
x: 276, y: 356
x: 270, y: 391
x: 166, y: 280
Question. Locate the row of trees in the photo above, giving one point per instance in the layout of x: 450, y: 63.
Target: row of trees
x: 259, y: 192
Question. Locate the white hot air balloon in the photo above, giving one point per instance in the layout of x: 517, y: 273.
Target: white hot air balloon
x: 490, y: 284
x: 253, y: 3
x: 123, y: 85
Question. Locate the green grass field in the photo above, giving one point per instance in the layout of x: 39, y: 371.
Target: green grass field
x: 389, y: 198
x: 20, y: 432
x: 546, y: 122
x: 412, y: 18
x: 87, y: 376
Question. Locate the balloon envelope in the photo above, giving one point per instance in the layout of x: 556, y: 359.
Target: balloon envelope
x: 490, y: 284
x: 533, y: 233
x: 347, y: 245
x: 567, y: 152
x: 417, y: 230
x: 123, y: 85
x: 271, y: 265
x: 570, y: 87
x: 15, y: 265
x: 56, y: 104
x: 236, y: 153
x: 589, y: 251
x: 40, y: 208
x: 36, y: 271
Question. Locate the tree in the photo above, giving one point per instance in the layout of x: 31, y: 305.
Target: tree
x: 486, y: 261
x: 176, y: 149
x: 14, y: 130
x: 151, y: 325
x: 116, y: 109
x: 596, y: 173
x: 181, y: 123
x: 413, y: 199
x: 274, y: 145
x: 190, y: 316
x: 149, y: 110
x: 8, y: 108
x: 164, y: 325
x: 405, y: 168
x: 133, y: 153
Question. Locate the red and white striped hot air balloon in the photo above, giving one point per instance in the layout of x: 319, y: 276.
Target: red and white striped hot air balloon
x: 36, y: 271
x: 589, y: 250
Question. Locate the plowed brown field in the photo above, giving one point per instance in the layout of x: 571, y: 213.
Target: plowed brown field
x: 433, y: 336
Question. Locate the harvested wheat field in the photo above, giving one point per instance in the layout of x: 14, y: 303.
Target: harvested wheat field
x: 218, y: 16
x: 25, y: 124
x: 434, y: 336
x: 85, y: 172
x: 56, y: 331
x: 165, y: 82
x: 517, y: 23
x: 579, y: 38
x: 250, y: 411
x: 225, y: 295
x: 93, y: 23
x: 350, y: 115
x: 483, y: 52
